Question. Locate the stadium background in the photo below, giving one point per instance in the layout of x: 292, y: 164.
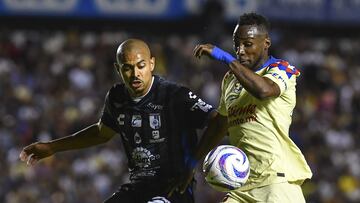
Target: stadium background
x: 56, y: 65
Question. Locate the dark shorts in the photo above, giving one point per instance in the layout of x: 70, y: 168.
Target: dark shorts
x: 143, y: 193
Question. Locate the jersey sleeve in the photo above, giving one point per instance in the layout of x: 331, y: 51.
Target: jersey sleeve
x: 107, y: 117
x: 194, y: 109
x: 281, y: 72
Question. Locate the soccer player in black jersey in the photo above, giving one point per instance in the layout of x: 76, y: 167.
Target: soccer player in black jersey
x: 157, y: 121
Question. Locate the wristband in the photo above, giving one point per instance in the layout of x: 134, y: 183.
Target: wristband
x: 222, y: 55
x: 191, y: 162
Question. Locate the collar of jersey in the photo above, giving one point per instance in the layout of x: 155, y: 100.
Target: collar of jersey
x: 137, y: 99
x: 154, y: 82
x: 268, y: 62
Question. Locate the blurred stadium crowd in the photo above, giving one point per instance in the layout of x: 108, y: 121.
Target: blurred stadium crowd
x: 53, y: 83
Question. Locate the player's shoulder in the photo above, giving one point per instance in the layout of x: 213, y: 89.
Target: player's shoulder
x: 117, y: 88
x: 284, y: 65
x: 169, y: 86
x: 277, y: 61
x: 116, y: 92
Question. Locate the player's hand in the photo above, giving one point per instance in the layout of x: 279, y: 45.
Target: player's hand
x: 203, y: 49
x: 181, y: 184
x: 214, y: 53
x: 34, y: 152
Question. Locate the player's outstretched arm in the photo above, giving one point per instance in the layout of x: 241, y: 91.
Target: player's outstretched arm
x: 93, y: 135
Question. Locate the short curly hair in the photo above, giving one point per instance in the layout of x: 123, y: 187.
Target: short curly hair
x: 254, y: 19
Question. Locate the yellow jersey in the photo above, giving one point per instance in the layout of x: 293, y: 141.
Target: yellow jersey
x: 261, y: 127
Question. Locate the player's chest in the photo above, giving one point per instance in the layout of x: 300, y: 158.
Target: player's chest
x: 146, y: 124
x: 234, y: 92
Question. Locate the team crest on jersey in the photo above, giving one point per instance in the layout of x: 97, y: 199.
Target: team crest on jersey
x: 136, y: 121
x: 155, y: 121
x: 235, y: 92
x: 237, y: 88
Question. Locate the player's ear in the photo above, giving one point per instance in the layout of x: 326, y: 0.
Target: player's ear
x: 267, y: 42
x: 117, y: 67
x: 152, y: 63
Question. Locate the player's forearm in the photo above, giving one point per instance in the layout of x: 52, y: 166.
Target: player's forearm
x: 212, y: 136
x: 258, y: 86
x: 87, y: 137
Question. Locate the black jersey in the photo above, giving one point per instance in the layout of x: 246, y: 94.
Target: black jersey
x: 159, y: 131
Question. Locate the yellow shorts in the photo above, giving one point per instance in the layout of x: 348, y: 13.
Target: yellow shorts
x: 279, y: 193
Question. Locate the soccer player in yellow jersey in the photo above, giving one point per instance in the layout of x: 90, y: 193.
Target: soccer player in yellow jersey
x: 257, y: 100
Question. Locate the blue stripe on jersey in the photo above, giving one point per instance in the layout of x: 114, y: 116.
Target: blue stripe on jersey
x: 268, y: 62
x: 283, y: 68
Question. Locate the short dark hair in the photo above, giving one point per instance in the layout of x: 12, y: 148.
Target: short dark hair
x: 254, y: 19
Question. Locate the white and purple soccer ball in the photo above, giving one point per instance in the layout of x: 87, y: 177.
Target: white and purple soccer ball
x: 226, y: 168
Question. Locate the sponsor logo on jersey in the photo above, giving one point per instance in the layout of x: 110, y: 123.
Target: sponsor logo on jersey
x: 147, y: 173
x: 137, y: 138
x: 142, y: 157
x: 155, y: 134
x: 154, y: 106
x: 277, y: 76
x: 120, y: 119
x: 155, y: 121
x: 242, y: 114
x: 136, y: 121
x: 156, y: 137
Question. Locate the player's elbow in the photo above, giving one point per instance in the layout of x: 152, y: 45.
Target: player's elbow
x: 104, y: 133
x: 265, y: 93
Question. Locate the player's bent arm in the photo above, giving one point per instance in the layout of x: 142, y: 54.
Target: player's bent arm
x: 259, y: 87
x: 214, y: 133
x: 95, y: 134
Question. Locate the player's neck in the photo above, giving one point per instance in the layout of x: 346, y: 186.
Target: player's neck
x: 137, y: 99
x: 261, y: 62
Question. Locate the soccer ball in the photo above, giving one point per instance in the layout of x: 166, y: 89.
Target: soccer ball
x: 226, y: 168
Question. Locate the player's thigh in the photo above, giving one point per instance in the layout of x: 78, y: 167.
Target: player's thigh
x: 285, y: 192
x: 280, y: 193
x: 274, y: 193
x: 240, y: 196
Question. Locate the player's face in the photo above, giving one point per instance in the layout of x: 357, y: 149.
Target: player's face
x: 135, y: 67
x: 251, y: 45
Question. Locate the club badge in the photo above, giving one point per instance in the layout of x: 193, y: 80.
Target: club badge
x: 155, y: 121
